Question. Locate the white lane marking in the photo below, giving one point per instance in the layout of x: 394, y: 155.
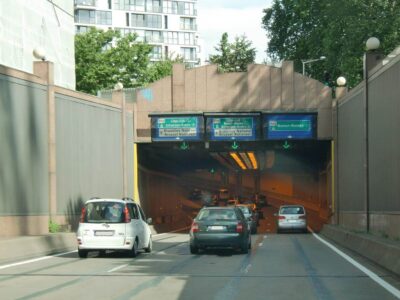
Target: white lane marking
x: 260, y: 244
x: 265, y: 236
x: 390, y: 288
x: 117, y: 268
x: 34, y: 260
x: 246, y: 270
x: 64, y: 253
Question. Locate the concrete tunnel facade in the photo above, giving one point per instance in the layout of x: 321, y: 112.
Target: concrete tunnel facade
x: 262, y: 88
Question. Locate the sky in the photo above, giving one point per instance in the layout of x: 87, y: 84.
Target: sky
x: 236, y: 17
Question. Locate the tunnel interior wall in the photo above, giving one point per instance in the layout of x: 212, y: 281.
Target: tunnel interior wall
x: 383, y: 153
x: 163, y: 198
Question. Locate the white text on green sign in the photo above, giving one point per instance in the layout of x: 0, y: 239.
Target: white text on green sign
x: 290, y: 125
x: 233, y: 127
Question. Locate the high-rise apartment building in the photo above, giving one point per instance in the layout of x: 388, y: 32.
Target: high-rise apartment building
x: 48, y: 25
x: 168, y: 25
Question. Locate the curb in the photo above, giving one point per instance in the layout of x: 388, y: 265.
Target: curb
x: 385, y: 254
x: 17, y: 248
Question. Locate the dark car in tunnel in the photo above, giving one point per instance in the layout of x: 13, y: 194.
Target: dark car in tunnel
x: 220, y: 227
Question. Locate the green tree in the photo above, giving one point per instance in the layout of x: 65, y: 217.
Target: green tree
x: 161, y: 69
x: 100, y: 65
x: 337, y: 29
x: 233, y: 57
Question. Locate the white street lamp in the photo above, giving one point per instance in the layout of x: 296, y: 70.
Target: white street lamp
x: 372, y: 43
x: 308, y: 61
x: 341, y: 81
x: 39, y: 53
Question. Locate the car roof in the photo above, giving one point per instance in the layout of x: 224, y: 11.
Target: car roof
x: 218, y: 207
x: 291, y: 206
x: 109, y: 200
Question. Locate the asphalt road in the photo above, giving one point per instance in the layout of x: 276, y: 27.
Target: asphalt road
x: 284, y: 266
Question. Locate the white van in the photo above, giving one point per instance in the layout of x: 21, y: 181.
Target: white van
x: 113, y: 224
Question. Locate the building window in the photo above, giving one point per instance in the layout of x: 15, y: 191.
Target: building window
x: 82, y: 29
x: 85, y: 16
x: 153, y: 21
x: 188, y: 24
x: 171, y: 37
x: 188, y: 38
x: 165, y: 22
x: 188, y: 53
x: 138, y: 20
x: 166, y: 51
x: 153, y: 6
x: 85, y: 2
x: 167, y: 7
x: 103, y: 17
x: 153, y: 36
x: 156, y: 52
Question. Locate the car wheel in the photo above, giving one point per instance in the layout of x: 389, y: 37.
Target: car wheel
x: 194, y: 249
x: 305, y: 230
x: 133, y: 252
x: 254, y: 230
x: 102, y: 253
x: 249, y: 243
x: 82, y: 253
x: 149, y: 248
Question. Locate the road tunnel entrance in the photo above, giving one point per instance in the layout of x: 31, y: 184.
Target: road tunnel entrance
x: 177, y: 180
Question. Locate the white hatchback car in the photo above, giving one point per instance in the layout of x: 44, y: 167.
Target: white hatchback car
x: 291, y: 217
x: 113, y: 224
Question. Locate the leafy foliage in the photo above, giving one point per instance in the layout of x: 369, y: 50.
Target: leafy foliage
x: 300, y: 30
x: 234, y: 57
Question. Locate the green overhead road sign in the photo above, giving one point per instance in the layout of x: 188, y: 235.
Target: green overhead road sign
x: 290, y: 125
x: 177, y: 127
x: 226, y: 127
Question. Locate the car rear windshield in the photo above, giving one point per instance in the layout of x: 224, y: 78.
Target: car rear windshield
x: 245, y: 210
x: 295, y: 210
x: 105, y: 212
x: 217, y: 214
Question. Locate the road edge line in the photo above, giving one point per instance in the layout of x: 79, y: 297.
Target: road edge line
x: 390, y: 288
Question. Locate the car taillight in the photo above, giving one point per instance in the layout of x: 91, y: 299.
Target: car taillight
x: 195, y: 227
x: 239, y: 227
x: 281, y: 218
x: 83, y: 213
x: 127, y: 215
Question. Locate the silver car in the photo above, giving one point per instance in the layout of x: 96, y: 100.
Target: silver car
x: 113, y: 224
x: 291, y: 217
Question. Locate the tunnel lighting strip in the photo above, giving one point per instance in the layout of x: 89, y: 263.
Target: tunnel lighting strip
x: 246, y: 160
x: 237, y: 159
x: 253, y: 160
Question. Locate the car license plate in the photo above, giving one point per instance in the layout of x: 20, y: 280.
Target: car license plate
x: 104, y: 232
x: 292, y: 221
x: 216, y: 227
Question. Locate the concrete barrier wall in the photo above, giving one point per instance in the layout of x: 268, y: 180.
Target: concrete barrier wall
x: 383, y: 156
x: 78, y: 144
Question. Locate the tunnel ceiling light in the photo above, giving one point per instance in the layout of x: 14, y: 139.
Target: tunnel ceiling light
x: 246, y: 160
x: 253, y: 160
x: 237, y: 159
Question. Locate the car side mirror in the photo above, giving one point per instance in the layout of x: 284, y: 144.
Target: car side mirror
x: 149, y: 221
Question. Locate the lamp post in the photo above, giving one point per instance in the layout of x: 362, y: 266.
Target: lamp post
x: 120, y: 88
x: 308, y: 61
x: 371, y: 59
